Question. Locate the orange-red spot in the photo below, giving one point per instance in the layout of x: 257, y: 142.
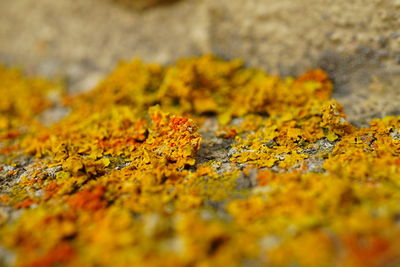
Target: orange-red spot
x: 51, y: 189
x: 25, y: 204
x: 10, y: 135
x: 264, y: 177
x: 12, y: 172
x: 177, y: 122
x: 4, y: 198
x: 9, y: 149
x: 397, y: 162
x: 314, y: 75
x: 59, y: 255
x: 368, y: 251
x: 88, y: 199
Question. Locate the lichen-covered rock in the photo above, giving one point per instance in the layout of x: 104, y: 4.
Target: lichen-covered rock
x: 203, y: 162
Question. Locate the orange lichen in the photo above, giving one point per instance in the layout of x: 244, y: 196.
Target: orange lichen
x: 203, y: 162
x: 61, y: 254
x: 88, y: 200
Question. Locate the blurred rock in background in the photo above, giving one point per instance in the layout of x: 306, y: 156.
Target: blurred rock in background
x: 143, y: 4
x: 357, y: 42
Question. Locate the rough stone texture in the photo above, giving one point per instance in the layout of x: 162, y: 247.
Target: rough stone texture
x: 357, y: 42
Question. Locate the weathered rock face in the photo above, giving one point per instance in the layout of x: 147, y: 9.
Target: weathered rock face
x: 143, y: 4
x: 357, y: 42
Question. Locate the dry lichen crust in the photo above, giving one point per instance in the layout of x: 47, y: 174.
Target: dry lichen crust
x: 202, y: 163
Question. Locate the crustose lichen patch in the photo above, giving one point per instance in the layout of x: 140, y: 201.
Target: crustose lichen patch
x: 204, y: 162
